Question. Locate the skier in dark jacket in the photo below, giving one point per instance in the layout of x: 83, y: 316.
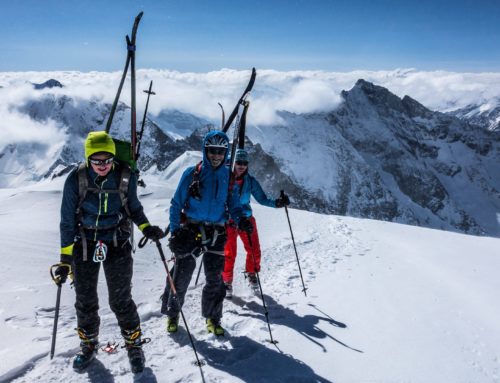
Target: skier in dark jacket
x: 198, y: 213
x: 247, y: 186
x: 99, y: 202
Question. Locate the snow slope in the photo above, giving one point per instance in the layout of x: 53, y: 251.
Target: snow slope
x: 386, y: 302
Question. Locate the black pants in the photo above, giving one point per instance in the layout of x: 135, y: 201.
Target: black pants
x: 213, y: 292
x: 118, y: 269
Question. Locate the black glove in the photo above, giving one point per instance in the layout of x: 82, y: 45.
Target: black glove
x: 283, y: 200
x: 153, y: 232
x: 63, y: 269
x: 183, y: 240
x: 245, y: 225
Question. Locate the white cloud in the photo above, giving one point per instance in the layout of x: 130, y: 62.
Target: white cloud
x: 16, y: 127
x: 296, y: 91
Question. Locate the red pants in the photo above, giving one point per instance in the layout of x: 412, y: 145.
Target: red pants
x: 231, y: 248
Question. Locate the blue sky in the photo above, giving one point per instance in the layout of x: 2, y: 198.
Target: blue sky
x: 200, y: 36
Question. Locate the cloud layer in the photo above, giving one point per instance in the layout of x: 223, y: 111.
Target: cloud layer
x: 199, y: 93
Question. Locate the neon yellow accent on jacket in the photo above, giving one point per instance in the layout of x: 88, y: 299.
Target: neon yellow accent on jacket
x: 143, y: 226
x: 68, y: 250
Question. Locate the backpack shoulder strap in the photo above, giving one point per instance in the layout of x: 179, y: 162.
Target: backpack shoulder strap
x: 83, y: 184
x: 197, y: 171
x: 125, y: 174
x: 194, y: 187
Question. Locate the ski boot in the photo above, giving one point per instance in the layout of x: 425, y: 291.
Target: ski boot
x: 172, y: 324
x: 88, y: 350
x: 133, y: 344
x: 253, y: 283
x: 229, y: 290
x: 213, y: 326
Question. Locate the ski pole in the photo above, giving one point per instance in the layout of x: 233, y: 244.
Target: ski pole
x: 56, y: 319
x: 174, y: 294
x: 199, y: 272
x: 266, y: 313
x: 282, y: 194
x: 56, y: 312
x: 139, y: 138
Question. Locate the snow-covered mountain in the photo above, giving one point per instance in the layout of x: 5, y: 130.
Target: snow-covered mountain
x: 485, y: 115
x: 384, y: 157
x: 376, y: 155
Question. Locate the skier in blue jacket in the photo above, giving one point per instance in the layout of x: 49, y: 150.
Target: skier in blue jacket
x: 199, y: 210
x: 246, y: 186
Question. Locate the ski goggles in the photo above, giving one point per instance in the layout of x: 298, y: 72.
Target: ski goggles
x: 242, y: 163
x: 215, y: 150
x: 107, y: 161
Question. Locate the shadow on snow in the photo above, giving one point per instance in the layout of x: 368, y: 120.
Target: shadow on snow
x: 306, y: 325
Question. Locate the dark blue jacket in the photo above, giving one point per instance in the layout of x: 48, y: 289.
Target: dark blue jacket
x: 251, y: 187
x: 215, y: 202
x: 99, y: 210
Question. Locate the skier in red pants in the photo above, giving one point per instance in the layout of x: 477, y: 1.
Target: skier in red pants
x: 248, y: 186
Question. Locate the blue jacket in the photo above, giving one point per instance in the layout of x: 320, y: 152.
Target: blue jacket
x: 215, y: 204
x: 98, y: 210
x: 251, y: 187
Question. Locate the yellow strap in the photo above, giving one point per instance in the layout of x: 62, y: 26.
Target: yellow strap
x: 143, y: 226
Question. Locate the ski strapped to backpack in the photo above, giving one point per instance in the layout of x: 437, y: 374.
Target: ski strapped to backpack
x: 239, y: 129
x: 130, y: 55
x: 128, y: 151
x: 247, y: 90
x: 239, y: 135
x: 83, y: 189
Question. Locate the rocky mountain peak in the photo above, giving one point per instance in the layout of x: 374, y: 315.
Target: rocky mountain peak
x: 48, y: 84
x: 415, y: 109
x: 378, y: 96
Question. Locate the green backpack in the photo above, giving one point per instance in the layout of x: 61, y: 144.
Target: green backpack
x: 124, y: 153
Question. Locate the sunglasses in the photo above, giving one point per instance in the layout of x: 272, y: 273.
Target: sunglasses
x: 107, y: 161
x: 242, y: 163
x: 217, y: 151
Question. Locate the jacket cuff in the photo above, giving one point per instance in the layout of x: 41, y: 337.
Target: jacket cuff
x: 143, y: 226
x: 68, y: 250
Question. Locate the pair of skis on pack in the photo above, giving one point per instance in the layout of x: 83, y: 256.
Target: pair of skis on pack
x: 239, y: 128
x: 135, y: 139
